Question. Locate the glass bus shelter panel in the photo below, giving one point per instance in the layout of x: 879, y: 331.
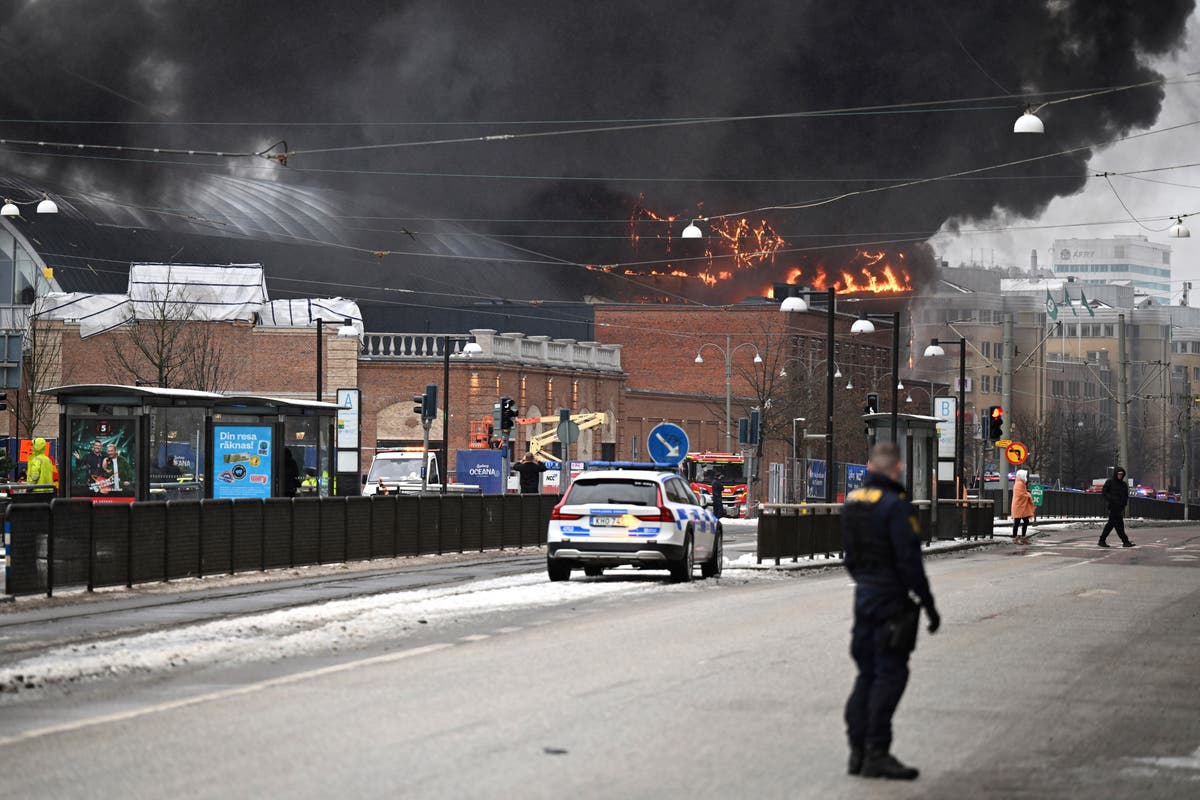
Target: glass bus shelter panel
x: 176, y: 453
x: 306, y: 455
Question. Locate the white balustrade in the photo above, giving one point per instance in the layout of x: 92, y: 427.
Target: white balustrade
x: 501, y: 347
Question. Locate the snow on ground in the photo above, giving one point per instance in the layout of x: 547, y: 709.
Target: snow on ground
x: 325, y: 626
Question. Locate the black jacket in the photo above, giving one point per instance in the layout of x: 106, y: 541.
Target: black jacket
x: 529, y: 471
x: 1116, y: 493
x: 881, y: 537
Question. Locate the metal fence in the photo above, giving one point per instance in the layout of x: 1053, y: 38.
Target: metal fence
x: 794, y: 531
x: 77, y: 543
x: 1091, y: 504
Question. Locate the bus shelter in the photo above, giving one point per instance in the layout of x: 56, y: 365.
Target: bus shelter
x: 125, y: 443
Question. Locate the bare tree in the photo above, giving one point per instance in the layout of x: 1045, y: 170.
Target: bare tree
x: 42, y: 368
x: 162, y: 345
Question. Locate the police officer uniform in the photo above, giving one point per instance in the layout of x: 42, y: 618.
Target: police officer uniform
x: 881, y: 537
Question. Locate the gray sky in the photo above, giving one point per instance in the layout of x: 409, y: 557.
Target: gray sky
x: 1097, y: 202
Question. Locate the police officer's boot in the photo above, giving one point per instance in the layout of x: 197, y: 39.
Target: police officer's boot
x: 856, y: 760
x: 879, y: 763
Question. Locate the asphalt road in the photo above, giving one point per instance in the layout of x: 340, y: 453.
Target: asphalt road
x: 1062, y: 670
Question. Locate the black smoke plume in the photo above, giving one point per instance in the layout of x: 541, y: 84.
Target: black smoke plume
x: 284, y: 66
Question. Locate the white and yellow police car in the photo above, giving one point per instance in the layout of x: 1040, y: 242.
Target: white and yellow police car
x: 643, y: 515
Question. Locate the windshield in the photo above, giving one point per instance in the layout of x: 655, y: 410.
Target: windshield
x: 617, y: 491
x: 730, y: 471
x: 395, y: 469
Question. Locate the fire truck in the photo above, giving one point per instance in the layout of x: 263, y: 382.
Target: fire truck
x: 732, y: 469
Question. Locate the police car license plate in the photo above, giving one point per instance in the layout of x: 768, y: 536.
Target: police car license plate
x: 605, y: 522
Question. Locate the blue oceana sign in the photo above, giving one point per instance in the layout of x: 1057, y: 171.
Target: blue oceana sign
x: 481, y: 468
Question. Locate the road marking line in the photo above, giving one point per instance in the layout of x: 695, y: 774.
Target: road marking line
x: 221, y: 694
x: 475, y: 637
x: 509, y: 629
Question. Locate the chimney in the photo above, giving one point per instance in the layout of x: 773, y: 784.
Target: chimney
x: 1033, y: 261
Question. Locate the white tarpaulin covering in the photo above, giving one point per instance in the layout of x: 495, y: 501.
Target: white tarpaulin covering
x: 95, y: 313
x: 305, y: 313
x: 196, y: 292
x: 237, y: 292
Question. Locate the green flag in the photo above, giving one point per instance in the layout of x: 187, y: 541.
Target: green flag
x: 1067, y: 301
x: 1086, y: 304
x: 1051, y: 306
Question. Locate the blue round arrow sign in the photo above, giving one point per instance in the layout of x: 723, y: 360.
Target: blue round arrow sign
x: 667, y: 444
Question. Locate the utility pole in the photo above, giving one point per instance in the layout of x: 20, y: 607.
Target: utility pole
x: 1186, y: 478
x: 1006, y: 395
x: 1165, y: 439
x: 1122, y: 396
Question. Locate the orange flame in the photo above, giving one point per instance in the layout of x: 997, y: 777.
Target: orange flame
x: 752, y: 247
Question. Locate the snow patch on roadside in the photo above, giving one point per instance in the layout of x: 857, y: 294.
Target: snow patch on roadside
x: 315, y: 628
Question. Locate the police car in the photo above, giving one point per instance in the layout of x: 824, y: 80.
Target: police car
x: 637, y: 514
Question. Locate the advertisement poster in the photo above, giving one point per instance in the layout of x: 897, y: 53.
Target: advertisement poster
x: 855, y: 475
x: 242, y: 461
x: 480, y: 468
x: 816, y: 480
x: 103, y: 457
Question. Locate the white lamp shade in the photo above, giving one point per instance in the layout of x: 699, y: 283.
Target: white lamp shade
x: 850, y: 383
x: 790, y: 304
x: 692, y: 231
x: 47, y: 206
x: 862, y: 326
x: 782, y: 372
x: 837, y: 372
x: 899, y: 386
x: 908, y: 399
x: 757, y: 358
x: 699, y: 359
x: 1028, y: 123
x: 9, y: 209
x: 934, y: 350
x: 1179, y: 231
x: 471, y: 348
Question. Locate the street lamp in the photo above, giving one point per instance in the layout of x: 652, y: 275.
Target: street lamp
x: 728, y: 350
x: 935, y: 350
x: 347, y: 330
x: 1030, y: 122
x: 44, y: 206
x: 796, y: 303
x: 864, y: 325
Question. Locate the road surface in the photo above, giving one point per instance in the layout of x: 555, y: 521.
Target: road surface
x: 1061, y: 670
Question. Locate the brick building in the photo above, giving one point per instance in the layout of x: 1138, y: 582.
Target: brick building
x: 659, y: 349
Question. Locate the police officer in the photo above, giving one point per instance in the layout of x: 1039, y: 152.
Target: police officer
x: 882, y: 541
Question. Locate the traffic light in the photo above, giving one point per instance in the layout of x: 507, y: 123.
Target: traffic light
x: 995, y: 423
x: 755, y: 427
x: 425, y: 404
x: 3, y: 401
x: 429, y: 407
x: 508, y: 414
x: 872, y: 406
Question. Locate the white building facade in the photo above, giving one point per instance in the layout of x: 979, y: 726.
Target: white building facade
x: 1132, y: 259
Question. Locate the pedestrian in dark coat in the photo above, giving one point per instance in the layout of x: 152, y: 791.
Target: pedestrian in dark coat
x: 717, y: 487
x: 1116, y: 495
x: 531, y: 474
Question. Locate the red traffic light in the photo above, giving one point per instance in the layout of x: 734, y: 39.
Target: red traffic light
x: 997, y: 412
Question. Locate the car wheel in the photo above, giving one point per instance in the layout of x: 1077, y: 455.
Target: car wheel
x: 593, y: 572
x: 557, y: 570
x: 681, y: 570
x: 712, y: 567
